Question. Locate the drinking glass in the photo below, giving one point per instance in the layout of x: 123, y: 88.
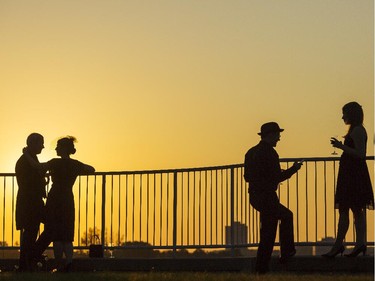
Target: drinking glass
x: 334, y: 152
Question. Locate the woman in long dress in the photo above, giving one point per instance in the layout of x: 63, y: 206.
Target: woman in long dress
x: 354, y: 189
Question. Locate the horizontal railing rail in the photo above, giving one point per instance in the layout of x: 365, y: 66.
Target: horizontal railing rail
x: 190, y: 208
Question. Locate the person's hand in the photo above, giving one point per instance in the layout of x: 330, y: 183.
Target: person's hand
x: 336, y: 143
x: 24, y: 150
x: 298, y: 164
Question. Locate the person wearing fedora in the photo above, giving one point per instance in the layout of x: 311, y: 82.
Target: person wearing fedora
x: 263, y: 173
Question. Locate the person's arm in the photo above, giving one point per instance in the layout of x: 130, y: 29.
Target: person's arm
x: 33, y: 162
x: 82, y: 168
x: 286, y: 174
x: 87, y: 169
x: 276, y: 174
x: 359, y: 137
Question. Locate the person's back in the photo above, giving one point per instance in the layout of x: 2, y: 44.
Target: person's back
x: 31, y: 191
x: 64, y: 173
x: 262, y: 170
x: 29, y: 205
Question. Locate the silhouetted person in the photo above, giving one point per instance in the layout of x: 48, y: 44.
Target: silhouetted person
x: 354, y: 189
x: 29, y: 206
x: 60, y: 212
x: 263, y: 173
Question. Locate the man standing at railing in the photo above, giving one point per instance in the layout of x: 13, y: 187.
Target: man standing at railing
x: 263, y: 173
x: 29, y: 206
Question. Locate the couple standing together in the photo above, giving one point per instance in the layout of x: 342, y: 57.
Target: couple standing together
x: 353, y: 189
x: 58, y: 213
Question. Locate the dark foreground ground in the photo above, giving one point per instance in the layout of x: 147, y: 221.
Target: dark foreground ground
x: 299, y: 264
x: 182, y: 276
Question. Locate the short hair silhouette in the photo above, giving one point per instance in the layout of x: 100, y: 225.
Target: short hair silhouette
x: 33, y: 138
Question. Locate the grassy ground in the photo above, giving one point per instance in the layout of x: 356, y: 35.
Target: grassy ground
x: 181, y: 276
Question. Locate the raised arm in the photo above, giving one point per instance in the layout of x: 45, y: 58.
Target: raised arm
x: 33, y: 162
x: 359, y: 137
x: 286, y: 174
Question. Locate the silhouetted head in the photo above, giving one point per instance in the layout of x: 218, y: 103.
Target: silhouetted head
x: 65, y: 146
x: 352, y: 114
x: 35, y: 143
x: 270, y: 127
x: 270, y: 132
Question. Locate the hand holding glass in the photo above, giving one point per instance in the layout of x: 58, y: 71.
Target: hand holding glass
x: 334, y: 142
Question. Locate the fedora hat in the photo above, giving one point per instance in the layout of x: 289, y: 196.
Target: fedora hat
x: 269, y: 127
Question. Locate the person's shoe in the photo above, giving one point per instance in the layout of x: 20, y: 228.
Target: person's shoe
x: 284, y: 258
x: 334, y: 252
x: 356, y: 252
x: 58, y: 269
x: 39, y: 263
x: 54, y: 270
x: 68, y: 267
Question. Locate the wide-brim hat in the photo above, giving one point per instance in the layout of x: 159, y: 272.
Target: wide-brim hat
x: 269, y: 127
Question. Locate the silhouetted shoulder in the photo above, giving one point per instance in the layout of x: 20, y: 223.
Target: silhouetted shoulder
x: 359, y: 132
x: 71, y: 166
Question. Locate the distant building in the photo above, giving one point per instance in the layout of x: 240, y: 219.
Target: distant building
x: 240, y: 232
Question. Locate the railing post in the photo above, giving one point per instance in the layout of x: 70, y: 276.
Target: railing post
x: 174, y: 212
x: 365, y: 218
x: 232, y: 211
x: 102, y: 239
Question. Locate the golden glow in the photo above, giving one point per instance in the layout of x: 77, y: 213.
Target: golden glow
x: 168, y: 84
x: 171, y: 84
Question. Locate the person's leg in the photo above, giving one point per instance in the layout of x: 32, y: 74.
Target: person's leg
x: 360, y: 227
x: 287, y: 247
x: 68, y: 250
x: 267, y: 239
x: 28, y: 237
x: 342, y: 228
x: 44, y: 239
x: 360, y: 231
x: 58, y: 250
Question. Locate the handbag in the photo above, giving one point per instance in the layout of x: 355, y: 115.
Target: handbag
x: 96, y: 250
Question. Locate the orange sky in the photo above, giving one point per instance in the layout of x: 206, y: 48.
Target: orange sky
x: 169, y: 84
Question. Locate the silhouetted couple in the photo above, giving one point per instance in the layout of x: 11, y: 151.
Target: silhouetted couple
x: 58, y: 214
x: 354, y: 189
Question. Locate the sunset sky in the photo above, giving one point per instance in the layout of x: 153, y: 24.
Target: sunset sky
x: 170, y: 84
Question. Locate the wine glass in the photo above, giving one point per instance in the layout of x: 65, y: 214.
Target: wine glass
x: 334, y: 152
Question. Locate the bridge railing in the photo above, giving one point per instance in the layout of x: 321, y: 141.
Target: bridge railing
x: 190, y: 208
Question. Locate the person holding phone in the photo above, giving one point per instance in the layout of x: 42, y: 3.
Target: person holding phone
x: 263, y: 173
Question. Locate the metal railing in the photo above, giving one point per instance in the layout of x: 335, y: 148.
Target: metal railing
x: 190, y: 208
